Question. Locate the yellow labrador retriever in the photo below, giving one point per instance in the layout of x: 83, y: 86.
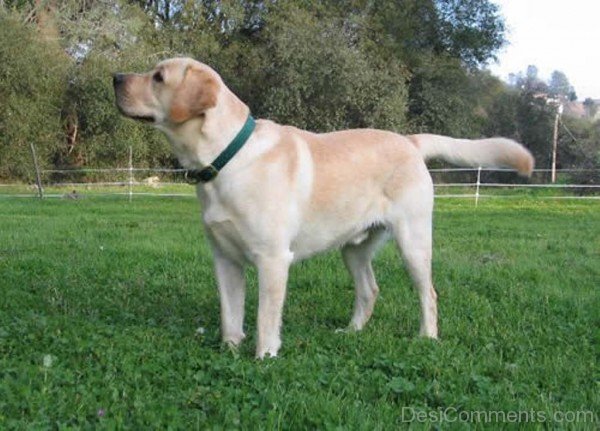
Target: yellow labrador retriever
x: 284, y: 194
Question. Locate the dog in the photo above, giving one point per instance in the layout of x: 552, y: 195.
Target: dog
x: 287, y: 194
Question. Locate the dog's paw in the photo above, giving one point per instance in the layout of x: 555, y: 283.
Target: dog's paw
x: 429, y: 332
x: 267, y: 346
x: 266, y: 355
x: 350, y: 329
x: 234, y: 339
x: 263, y: 352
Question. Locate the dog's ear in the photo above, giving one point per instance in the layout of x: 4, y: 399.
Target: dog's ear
x: 196, y: 93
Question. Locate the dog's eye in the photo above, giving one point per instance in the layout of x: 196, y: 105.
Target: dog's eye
x: 157, y: 77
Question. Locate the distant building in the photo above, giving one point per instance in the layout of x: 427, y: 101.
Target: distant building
x: 578, y: 109
x: 575, y: 109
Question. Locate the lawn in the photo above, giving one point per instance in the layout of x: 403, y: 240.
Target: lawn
x: 109, y: 319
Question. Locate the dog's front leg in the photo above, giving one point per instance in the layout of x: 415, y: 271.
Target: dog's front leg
x: 272, y: 283
x: 232, y: 289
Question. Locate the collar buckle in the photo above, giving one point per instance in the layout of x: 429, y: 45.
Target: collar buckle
x: 208, y: 173
x: 203, y: 175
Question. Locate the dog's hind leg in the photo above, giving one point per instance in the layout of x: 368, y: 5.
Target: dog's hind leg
x: 357, y: 258
x: 413, y: 234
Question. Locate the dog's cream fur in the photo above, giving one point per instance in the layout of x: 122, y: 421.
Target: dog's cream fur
x: 289, y: 193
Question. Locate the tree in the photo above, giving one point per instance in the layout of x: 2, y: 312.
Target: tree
x: 580, y: 149
x: 523, y: 112
x: 560, y: 86
x: 440, y: 43
x: 531, y: 82
x: 535, y: 123
x: 503, y: 115
x: 591, y: 109
x: 96, y: 39
x: 32, y: 82
x: 317, y: 78
x: 406, y: 65
x: 471, y: 30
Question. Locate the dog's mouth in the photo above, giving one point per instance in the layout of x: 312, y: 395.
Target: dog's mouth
x: 137, y: 117
x: 143, y: 118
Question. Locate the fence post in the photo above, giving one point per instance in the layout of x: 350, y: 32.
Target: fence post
x: 478, y: 184
x: 38, y: 178
x: 130, y: 173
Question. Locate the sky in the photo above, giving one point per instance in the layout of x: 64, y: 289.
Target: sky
x: 553, y: 35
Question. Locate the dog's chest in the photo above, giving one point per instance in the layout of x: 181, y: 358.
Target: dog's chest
x: 227, y: 238
x: 225, y: 230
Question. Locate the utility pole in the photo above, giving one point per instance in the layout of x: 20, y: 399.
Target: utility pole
x: 559, y: 110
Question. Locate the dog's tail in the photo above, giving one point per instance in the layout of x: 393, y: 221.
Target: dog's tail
x: 493, y: 152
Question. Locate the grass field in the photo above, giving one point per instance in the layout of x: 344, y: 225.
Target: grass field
x: 101, y: 301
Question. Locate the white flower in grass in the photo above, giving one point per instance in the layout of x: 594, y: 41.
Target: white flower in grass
x: 47, y: 361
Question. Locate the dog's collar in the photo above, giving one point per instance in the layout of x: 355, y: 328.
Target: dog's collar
x: 208, y: 173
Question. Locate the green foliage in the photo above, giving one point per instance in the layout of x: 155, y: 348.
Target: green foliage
x: 32, y: 83
x: 408, y: 65
x: 102, y: 300
x: 59, y: 92
x: 591, y: 109
x: 535, y: 125
x: 503, y: 115
x: 560, y: 86
x: 579, y: 148
x: 438, y: 100
x: 470, y: 30
x: 526, y: 111
x: 292, y: 67
x: 439, y: 44
x: 316, y: 78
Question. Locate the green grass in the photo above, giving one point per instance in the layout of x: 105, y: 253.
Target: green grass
x: 100, y: 301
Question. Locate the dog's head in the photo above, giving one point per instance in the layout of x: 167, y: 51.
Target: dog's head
x: 174, y: 92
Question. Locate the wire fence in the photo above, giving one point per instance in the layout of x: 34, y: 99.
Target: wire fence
x: 465, y: 183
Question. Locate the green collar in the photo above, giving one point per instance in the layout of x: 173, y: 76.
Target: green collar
x: 208, y: 173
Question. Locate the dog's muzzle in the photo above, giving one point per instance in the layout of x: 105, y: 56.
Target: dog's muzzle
x: 119, y: 80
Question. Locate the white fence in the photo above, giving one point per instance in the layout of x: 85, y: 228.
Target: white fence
x: 586, y: 191
x: 170, y: 183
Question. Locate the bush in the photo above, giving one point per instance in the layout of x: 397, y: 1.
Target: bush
x: 33, y: 74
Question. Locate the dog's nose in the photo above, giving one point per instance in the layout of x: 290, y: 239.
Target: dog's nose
x: 118, y: 79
